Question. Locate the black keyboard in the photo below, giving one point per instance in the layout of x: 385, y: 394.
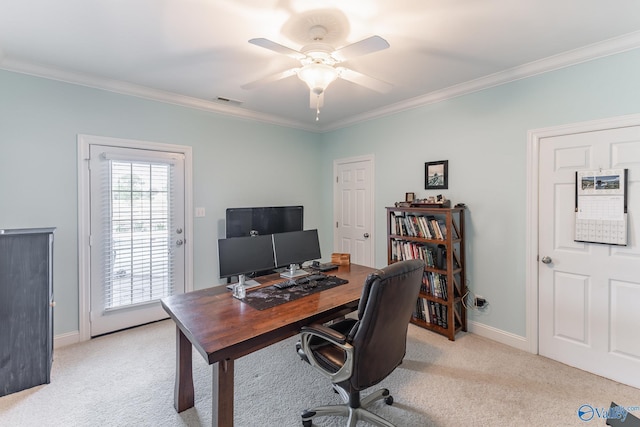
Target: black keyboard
x: 285, y: 284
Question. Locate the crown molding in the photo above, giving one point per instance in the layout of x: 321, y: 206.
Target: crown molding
x: 597, y: 50
x: 124, y: 88
x: 602, y: 49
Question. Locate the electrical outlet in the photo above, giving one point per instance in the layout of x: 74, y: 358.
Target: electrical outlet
x: 479, y: 302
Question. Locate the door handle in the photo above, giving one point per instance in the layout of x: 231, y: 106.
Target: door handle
x: 366, y: 235
x: 546, y: 260
x: 179, y: 242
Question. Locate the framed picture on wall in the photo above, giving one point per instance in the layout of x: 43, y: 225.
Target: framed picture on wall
x: 436, y: 175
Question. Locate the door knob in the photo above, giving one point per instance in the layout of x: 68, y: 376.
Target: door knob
x: 366, y: 235
x: 546, y: 260
x: 179, y: 242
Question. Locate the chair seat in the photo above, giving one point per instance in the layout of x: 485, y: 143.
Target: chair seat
x: 330, y: 357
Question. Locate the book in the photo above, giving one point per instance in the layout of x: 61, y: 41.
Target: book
x: 442, y: 226
x: 425, y: 227
x: 434, y: 228
x: 441, y: 257
x: 393, y: 225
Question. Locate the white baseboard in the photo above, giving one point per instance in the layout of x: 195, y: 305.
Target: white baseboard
x: 498, y: 335
x: 65, y: 339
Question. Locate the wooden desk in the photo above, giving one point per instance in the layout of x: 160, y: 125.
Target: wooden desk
x: 223, y: 329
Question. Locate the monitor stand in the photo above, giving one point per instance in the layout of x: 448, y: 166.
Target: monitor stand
x: 248, y: 284
x: 292, y: 272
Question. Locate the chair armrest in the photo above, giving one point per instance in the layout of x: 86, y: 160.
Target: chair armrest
x: 334, y: 337
x: 324, y: 332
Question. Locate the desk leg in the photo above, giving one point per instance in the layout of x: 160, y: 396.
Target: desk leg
x: 183, y: 390
x: 222, y: 394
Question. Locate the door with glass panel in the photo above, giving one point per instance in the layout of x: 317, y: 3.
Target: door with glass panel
x: 137, y: 235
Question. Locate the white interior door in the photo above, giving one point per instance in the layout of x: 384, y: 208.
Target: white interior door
x: 353, y: 210
x: 137, y: 235
x: 589, y: 293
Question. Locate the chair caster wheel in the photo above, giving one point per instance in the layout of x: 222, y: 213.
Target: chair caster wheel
x: 306, y: 418
x: 389, y: 400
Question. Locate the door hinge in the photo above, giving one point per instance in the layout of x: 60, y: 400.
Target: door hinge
x: 337, y: 224
x: 337, y: 179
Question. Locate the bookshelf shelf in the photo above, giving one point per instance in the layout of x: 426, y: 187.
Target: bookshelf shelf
x: 435, y: 235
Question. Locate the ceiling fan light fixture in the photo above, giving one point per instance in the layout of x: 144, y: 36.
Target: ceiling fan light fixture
x: 317, y: 76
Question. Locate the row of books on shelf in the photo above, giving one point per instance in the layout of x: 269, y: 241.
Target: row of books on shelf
x: 433, y: 256
x: 426, y: 227
x: 434, y: 284
x: 431, y: 312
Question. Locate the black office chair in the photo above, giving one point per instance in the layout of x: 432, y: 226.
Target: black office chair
x: 358, y: 353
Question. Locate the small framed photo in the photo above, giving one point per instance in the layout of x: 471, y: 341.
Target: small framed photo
x: 436, y: 175
x: 409, y: 197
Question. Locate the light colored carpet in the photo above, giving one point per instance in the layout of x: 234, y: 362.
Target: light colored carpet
x: 126, y: 379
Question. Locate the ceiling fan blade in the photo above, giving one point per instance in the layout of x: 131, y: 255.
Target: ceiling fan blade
x: 271, y: 78
x: 364, y: 80
x: 363, y: 47
x: 316, y: 101
x: 278, y: 48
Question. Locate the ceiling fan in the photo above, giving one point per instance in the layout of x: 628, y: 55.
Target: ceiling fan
x: 319, y: 64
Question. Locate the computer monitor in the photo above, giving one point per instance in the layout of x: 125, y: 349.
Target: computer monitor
x: 294, y: 248
x: 239, y: 256
x: 263, y: 220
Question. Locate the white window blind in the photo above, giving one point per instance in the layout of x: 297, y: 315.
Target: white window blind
x: 137, y: 224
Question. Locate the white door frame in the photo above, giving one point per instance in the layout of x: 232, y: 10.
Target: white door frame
x: 84, y: 220
x: 336, y: 198
x: 533, y: 153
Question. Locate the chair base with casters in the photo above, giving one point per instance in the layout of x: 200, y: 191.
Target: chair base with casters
x: 355, y: 411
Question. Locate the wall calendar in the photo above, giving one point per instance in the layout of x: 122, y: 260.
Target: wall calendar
x: 601, y: 206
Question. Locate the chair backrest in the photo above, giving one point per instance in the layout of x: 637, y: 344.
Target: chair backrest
x: 379, y: 338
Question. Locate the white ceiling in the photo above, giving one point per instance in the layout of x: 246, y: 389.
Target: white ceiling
x: 192, y: 52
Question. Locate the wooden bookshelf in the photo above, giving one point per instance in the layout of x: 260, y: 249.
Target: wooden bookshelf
x: 435, y: 235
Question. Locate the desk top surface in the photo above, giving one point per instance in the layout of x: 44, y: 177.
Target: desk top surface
x: 221, y: 327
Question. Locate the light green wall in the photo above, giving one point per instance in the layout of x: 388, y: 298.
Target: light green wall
x: 243, y: 163
x: 484, y: 137
x: 235, y: 163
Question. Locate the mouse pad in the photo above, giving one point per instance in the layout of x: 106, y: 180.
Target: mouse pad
x: 271, y: 296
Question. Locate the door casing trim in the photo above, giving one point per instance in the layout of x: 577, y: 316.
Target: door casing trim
x: 336, y: 163
x: 534, y: 139
x: 84, y: 190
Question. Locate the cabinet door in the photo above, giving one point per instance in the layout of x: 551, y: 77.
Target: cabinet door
x: 25, y: 325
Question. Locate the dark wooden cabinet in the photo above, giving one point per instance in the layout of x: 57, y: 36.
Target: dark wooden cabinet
x: 26, y: 308
x: 437, y: 236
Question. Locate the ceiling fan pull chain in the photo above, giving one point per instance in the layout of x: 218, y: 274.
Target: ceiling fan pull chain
x: 318, y: 108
